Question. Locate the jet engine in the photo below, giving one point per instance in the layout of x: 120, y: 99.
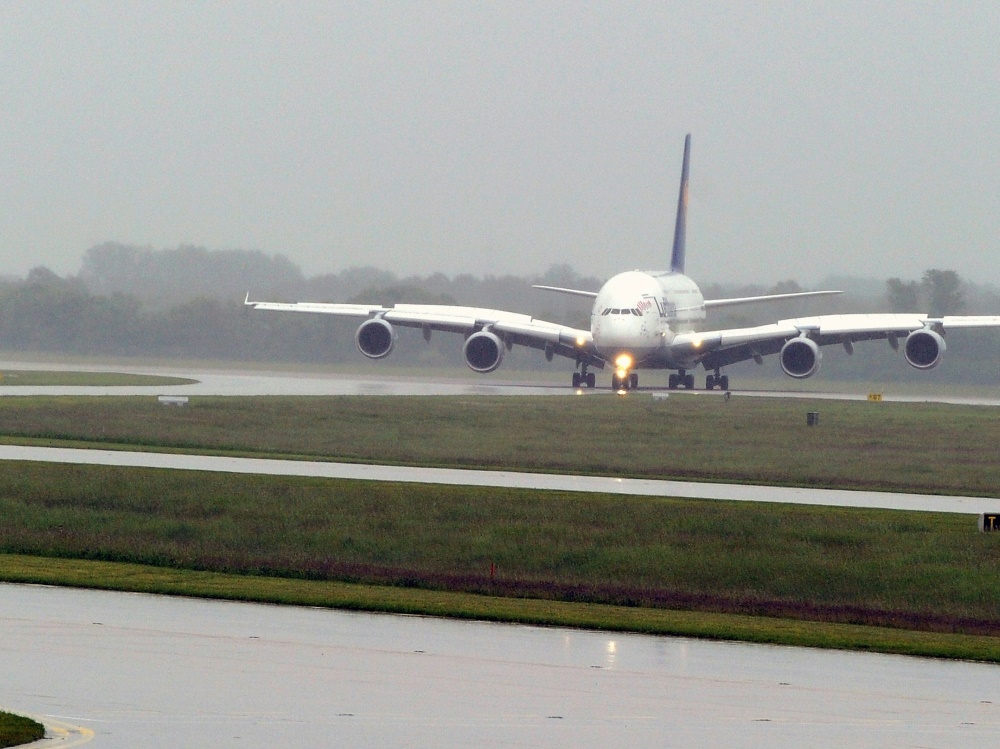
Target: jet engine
x: 924, y: 349
x: 483, y: 351
x: 375, y: 338
x: 800, y: 358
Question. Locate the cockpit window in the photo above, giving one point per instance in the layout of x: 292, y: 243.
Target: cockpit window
x: 621, y: 311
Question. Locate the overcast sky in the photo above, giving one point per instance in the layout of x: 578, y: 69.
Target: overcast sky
x: 828, y: 138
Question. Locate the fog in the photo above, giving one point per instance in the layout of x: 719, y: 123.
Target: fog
x: 833, y: 139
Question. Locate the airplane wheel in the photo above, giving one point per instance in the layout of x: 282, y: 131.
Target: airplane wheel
x: 616, y: 384
x: 710, y: 382
x: 672, y: 382
x: 576, y: 379
x: 689, y: 382
x: 633, y: 380
x: 591, y: 379
x: 724, y: 382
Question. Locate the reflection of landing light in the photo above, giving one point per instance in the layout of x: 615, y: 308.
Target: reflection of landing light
x: 612, y: 650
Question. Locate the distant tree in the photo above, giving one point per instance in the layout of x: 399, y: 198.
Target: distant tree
x: 163, y: 278
x: 786, y: 287
x: 944, y: 290
x: 400, y: 294
x: 903, y: 296
x: 560, y: 274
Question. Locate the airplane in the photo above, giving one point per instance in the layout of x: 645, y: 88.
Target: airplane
x: 649, y: 320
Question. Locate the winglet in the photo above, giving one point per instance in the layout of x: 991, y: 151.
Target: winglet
x: 680, y: 228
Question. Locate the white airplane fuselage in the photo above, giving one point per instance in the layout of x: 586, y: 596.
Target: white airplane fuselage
x: 637, y: 314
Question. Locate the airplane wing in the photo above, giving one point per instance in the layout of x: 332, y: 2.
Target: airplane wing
x: 562, y: 290
x: 719, y: 348
x: 714, y: 303
x: 511, y: 327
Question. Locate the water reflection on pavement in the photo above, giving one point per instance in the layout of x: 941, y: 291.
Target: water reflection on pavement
x: 149, y: 671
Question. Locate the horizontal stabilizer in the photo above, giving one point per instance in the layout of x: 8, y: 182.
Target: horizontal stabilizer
x: 713, y: 303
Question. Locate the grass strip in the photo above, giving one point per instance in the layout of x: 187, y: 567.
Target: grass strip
x: 910, y: 447
x: 145, y: 579
x: 47, y: 378
x: 912, y: 571
x: 16, y: 730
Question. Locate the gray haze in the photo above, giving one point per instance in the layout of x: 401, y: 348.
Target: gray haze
x: 837, y: 138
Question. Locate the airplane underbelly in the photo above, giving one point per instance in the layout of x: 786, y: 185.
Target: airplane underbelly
x: 641, y: 348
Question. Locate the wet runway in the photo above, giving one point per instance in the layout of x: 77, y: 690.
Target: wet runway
x: 147, y: 671
x: 466, y: 477
x: 383, y: 381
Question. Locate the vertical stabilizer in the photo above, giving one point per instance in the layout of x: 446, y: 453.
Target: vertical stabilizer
x: 680, y: 228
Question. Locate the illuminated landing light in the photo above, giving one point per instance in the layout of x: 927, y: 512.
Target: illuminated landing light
x: 581, y: 341
x: 697, y: 343
x: 624, y: 361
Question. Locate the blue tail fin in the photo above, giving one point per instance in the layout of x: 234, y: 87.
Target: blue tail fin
x: 680, y: 228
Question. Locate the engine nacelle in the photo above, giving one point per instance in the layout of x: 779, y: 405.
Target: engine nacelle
x: 375, y: 338
x: 800, y: 358
x: 924, y: 349
x: 483, y: 351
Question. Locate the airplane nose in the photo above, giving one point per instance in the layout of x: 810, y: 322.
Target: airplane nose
x: 618, y: 333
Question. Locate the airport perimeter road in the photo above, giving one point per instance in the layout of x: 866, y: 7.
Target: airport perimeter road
x: 146, y: 671
x: 460, y: 477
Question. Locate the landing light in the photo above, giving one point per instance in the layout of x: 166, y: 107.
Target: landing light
x: 624, y: 361
x: 581, y: 341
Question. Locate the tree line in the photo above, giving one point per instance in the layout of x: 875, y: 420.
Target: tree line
x: 187, y: 303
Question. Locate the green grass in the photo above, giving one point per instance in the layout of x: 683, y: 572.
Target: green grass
x: 146, y: 579
x: 830, y: 577
x: 16, y: 730
x: 929, y: 448
x: 925, y: 571
x: 37, y: 378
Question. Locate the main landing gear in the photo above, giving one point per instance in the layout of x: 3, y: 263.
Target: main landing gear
x: 717, y: 380
x: 583, y: 378
x: 684, y: 380
x: 681, y: 380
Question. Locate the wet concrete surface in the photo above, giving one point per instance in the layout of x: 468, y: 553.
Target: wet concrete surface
x: 150, y: 671
x: 468, y: 477
x: 246, y: 382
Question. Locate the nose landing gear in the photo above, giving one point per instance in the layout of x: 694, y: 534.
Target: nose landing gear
x: 624, y: 381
